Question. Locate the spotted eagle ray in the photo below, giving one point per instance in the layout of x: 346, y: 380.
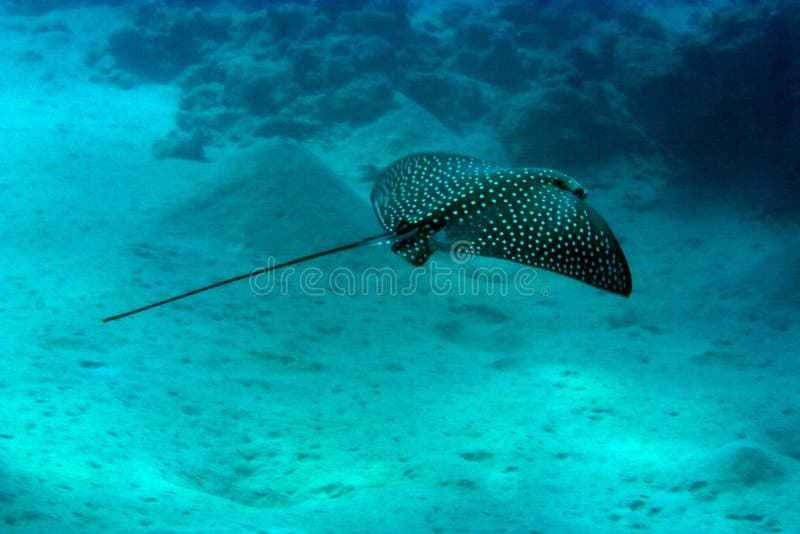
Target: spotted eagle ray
x: 438, y: 201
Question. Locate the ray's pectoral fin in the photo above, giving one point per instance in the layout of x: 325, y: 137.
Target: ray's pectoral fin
x: 415, y: 249
x: 570, y: 238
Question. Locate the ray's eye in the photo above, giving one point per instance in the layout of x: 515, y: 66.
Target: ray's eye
x: 571, y: 186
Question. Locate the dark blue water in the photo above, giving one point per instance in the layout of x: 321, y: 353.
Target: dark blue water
x: 151, y: 148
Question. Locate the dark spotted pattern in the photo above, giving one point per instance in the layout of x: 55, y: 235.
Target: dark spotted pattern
x: 532, y: 216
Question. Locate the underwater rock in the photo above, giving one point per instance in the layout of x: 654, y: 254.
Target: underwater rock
x: 476, y: 35
x: 41, y: 7
x: 501, y: 64
x: 289, y: 21
x: 162, y: 44
x: 202, y: 96
x: 567, y: 127
x: 453, y: 99
x: 545, y: 24
x: 563, y: 82
x: 476, y: 456
x: 593, y: 64
x: 334, y: 9
x: 213, y: 119
x: 359, y: 102
x: 730, y: 105
x: 322, y: 65
x: 782, y: 430
x: 742, y: 464
x: 181, y: 146
x: 263, y: 94
x: 287, y: 126
x: 391, y: 22
x: 787, y: 441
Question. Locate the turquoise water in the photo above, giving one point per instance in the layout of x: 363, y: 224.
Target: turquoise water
x: 152, y: 148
